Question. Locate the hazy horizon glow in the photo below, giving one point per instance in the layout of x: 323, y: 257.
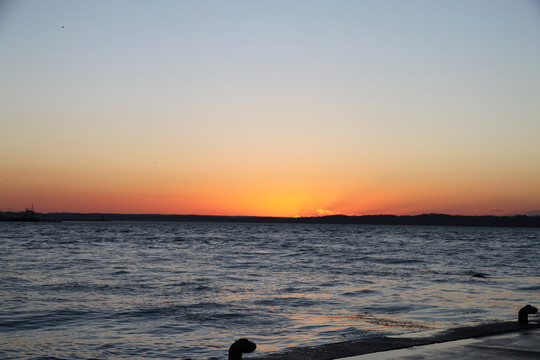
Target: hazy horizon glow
x: 278, y: 108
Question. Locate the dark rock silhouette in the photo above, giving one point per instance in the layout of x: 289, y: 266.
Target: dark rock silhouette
x: 523, y: 315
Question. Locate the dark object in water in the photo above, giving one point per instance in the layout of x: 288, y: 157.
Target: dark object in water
x: 523, y: 315
x: 239, y: 347
x: 480, y: 275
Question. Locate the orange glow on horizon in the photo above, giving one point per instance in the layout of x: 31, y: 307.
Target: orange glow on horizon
x: 286, y: 192
x: 249, y: 202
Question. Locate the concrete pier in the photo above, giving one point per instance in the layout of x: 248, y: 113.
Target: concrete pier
x: 501, y: 340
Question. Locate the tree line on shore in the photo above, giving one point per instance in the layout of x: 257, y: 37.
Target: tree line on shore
x: 424, y: 219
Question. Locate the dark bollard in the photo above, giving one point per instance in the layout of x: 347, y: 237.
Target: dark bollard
x: 239, y: 347
x: 523, y: 315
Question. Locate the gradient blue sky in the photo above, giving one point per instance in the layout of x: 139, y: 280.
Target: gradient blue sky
x: 270, y: 107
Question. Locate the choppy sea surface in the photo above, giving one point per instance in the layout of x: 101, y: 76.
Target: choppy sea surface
x: 119, y: 290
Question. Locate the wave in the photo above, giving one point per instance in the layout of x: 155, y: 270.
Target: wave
x: 43, y: 319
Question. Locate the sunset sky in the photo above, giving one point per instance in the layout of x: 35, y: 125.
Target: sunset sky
x: 274, y: 108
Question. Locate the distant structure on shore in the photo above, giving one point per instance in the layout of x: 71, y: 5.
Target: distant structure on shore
x: 29, y: 215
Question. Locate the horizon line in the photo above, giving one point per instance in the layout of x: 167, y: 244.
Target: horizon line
x: 533, y: 214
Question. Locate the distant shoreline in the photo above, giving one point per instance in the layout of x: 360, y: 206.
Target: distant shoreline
x: 417, y: 220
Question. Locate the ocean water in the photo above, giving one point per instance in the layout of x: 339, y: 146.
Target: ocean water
x: 119, y: 290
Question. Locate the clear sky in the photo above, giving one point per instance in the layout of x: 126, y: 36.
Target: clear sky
x: 278, y: 108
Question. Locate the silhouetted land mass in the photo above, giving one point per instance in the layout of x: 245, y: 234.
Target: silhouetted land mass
x: 425, y: 219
